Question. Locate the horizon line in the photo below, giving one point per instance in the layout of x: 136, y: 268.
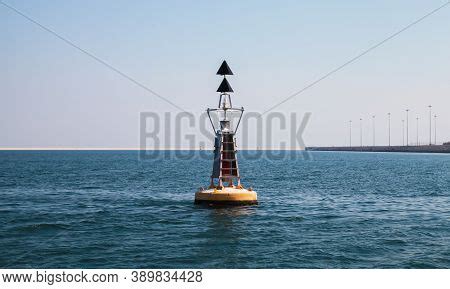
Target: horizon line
x: 130, y: 149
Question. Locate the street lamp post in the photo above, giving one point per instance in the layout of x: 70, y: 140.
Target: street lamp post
x: 417, y: 132
x: 389, y: 128
x: 435, y: 130
x: 430, y: 122
x: 407, y: 127
x: 360, y: 132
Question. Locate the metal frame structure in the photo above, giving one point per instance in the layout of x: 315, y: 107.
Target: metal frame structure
x: 225, y: 166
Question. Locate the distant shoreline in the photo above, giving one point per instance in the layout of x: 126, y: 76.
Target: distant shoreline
x: 387, y: 149
x: 410, y: 149
x: 138, y: 149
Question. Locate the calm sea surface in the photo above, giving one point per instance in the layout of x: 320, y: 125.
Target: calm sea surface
x: 335, y: 210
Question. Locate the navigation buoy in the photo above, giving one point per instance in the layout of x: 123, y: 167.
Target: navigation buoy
x: 225, y: 186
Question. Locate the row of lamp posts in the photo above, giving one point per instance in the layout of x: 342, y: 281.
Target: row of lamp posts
x: 403, y: 129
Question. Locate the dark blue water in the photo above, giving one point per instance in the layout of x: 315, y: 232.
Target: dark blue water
x: 336, y: 210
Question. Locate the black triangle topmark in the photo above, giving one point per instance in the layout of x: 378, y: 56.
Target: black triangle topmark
x: 224, y: 69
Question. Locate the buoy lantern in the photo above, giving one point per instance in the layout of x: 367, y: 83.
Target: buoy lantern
x: 225, y: 186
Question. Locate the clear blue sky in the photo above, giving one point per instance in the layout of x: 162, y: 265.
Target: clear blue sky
x: 53, y: 95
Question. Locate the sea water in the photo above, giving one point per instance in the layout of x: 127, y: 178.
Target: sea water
x: 118, y: 209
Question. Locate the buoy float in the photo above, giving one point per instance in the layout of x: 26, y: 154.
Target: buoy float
x: 225, y: 185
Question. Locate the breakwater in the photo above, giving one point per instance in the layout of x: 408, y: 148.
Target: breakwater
x: 407, y: 149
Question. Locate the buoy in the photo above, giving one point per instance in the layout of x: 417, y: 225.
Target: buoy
x: 225, y: 185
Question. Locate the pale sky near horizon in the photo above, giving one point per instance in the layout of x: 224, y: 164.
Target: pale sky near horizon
x: 53, y: 95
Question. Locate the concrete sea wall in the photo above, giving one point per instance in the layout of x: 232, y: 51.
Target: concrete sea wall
x: 409, y: 149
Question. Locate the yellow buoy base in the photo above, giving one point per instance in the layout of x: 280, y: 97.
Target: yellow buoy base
x: 226, y: 196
